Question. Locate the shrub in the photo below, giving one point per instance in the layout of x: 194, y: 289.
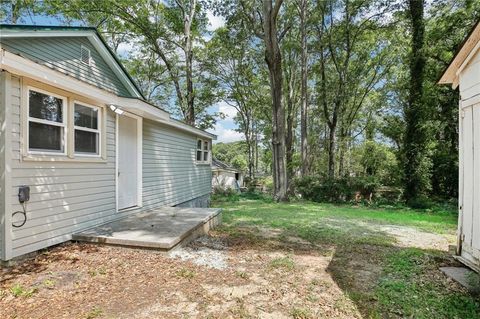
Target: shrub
x: 420, y: 202
x: 336, y: 190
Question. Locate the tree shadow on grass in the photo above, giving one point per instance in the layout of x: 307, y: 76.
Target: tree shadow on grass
x: 382, y: 279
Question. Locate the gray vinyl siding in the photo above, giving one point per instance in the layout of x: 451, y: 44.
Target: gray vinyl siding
x: 67, y: 197
x: 170, y: 174
x: 63, y: 54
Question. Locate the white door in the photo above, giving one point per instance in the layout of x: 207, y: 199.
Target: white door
x: 127, y: 171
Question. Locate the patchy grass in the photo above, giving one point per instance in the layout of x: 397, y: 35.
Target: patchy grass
x: 18, y: 290
x: 186, y: 273
x: 94, y: 313
x: 286, y: 263
x: 384, y: 279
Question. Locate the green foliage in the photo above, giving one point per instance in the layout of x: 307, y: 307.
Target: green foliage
x: 18, y: 290
x: 337, y: 190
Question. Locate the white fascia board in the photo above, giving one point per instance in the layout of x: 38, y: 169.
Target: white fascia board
x: 24, y: 67
x: 94, y: 40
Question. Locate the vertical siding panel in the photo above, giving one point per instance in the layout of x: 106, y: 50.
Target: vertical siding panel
x: 3, y: 102
x: 468, y: 176
x: 475, y: 228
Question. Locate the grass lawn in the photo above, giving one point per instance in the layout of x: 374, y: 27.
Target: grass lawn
x: 385, y: 260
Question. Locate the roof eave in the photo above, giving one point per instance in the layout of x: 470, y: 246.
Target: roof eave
x: 461, y: 57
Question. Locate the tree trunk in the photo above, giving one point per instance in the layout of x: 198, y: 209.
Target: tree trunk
x: 290, y: 131
x: 332, y: 144
x: 188, y: 20
x: 304, y: 96
x: 273, y: 59
x: 416, y: 179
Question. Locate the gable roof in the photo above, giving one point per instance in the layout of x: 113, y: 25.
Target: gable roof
x: 97, y: 41
x: 466, y: 51
x: 216, y: 164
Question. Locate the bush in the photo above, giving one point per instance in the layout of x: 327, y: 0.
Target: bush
x: 420, y: 202
x: 336, y: 190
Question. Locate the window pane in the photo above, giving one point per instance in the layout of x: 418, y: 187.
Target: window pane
x: 45, y: 137
x: 205, y: 146
x: 86, y: 142
x: 86, y: 116
x: 205, y: 156
x: 45, y: 107
x: 199, y: 155
x: 199, y: 145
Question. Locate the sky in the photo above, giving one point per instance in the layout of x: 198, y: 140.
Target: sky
x: 224, y: 128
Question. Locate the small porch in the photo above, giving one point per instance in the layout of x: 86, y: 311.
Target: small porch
x: 162, y: 228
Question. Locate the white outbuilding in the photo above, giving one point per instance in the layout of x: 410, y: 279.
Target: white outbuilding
x: 225, y: 177
x: 464, y: 73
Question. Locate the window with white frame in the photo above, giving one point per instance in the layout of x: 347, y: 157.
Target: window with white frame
x: 203, y: 151
x: 46, y: 122
x: 86, y: 121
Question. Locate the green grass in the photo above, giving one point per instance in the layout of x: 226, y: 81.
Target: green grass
x: 409, y: 283
x: 20, y: 291
x: 280, y: 215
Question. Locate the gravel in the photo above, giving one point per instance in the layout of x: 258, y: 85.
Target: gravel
x: 204, y: 251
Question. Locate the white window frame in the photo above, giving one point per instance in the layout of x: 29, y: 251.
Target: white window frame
x: 86, y: 129
x: 63, y: 124
x: 209, y: 156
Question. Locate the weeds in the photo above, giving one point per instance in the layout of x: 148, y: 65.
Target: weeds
x: 186, y: 273
x: 19, y: 291
x: 286, y: 263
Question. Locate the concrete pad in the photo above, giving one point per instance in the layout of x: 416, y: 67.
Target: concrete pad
x: 162, y: 228
x: 464, y: 276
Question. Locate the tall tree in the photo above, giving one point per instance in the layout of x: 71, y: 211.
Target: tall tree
x: 273, y: 57
x: 169, y: 29
x: 417, y: 163
x: 303, y: 10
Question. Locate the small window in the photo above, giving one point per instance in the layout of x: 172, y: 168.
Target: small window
x: 46, y: 122
x: 87, y: 133
x: 203, y: 151
x: 85, y: 55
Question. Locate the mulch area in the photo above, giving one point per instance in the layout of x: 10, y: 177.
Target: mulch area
x: 77, y: 280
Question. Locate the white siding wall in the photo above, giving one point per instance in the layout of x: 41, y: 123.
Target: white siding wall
x: 469, y: 222
x: 470, y: 79
x: 69, y: 197
x: 3, y: 89
x: 224, y: 179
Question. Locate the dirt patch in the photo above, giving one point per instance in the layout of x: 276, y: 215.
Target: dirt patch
x: 411, y: 237
x: 128, y: 283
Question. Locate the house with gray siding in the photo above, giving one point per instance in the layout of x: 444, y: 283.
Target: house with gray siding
x: 79, y: 145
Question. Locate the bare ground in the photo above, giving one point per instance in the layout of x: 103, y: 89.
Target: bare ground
x: 218, y: 277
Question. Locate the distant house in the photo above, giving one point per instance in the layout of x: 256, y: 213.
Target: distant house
x: 226, y: 177
x: 79, y: 144
x: 464, y: 73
